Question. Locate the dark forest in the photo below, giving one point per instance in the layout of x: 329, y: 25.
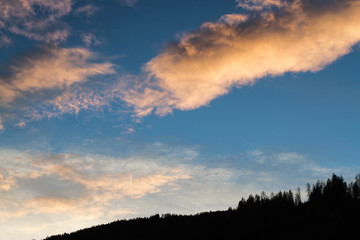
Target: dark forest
x: 331, y: 211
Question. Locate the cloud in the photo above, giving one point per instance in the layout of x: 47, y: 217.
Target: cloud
x: 99, y: 179
x: 49, y: 69
x: 71, y: 101
x: 239, y: 49
x: 258, y: 5
x: 1, y: 124
x: 91, y: 40
x: 76, y: 100
x: 50, y: 81
x: 4, y: 40
x: 102, y: 177
x: 87, y: 10
x: 129, y: 3
x: 34, y: 19
x: 6, y: 183
x: 278, y: 166
x: 85, y: 190
x: 289, y: 158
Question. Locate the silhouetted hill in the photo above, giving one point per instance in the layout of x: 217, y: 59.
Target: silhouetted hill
x: 332, y: 212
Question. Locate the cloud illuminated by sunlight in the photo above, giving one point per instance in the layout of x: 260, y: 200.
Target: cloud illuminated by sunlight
x: 54, y: 68
x: 47, y: 82
x: 238, y: 49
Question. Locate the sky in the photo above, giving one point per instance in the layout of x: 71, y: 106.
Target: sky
x: 115, y: 109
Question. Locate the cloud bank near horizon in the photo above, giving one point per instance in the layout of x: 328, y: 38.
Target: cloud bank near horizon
x: 272, y: 38
x: 82, y: 189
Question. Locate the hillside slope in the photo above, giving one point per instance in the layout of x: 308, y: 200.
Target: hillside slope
x: 332, y: 211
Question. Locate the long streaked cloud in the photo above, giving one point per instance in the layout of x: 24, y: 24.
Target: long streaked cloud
x: 273, y: 38
x: 63, y: 182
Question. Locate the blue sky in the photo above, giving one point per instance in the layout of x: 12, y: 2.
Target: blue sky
x: 119, y: 109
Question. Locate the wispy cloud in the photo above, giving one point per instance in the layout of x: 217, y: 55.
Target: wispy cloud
x: 87, y: 10
x: 6, y: 182
x: 4, y: 40
x: 129, y: 3
x: 238, y: 49
x: 90, y: 39
x: 159, y: 167
x: 1, y: 124
x: 20, y: 17
x: 70, y: 101
x: 75, y: 100
x: 259, y: 5
x: 96, y: 179
x: 50, y: 74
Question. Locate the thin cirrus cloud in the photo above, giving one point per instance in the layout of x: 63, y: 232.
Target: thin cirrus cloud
x: 273, y: 38
x: 19, y: 17
x: 87, y: 10
x: 129, y: 3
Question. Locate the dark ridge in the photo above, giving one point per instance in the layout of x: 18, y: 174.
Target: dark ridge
x: 332, y: 211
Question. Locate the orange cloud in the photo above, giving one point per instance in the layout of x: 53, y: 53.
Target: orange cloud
x: 84, y: 185
x: 105, y: 178
x: 74, y: 101
x: 51, y: 205
x: 6, y: 183
x: 297, y: 36
x: 54, y: 69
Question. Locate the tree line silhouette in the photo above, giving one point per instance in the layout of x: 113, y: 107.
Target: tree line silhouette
x: 335, y: 192
x: 332, y: 210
